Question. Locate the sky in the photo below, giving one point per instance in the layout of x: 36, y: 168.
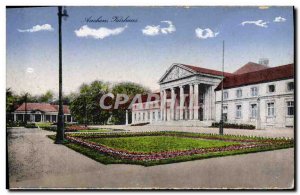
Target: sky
x: 141, y: 48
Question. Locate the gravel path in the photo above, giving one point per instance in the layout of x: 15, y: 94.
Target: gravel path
x: 35, y: 162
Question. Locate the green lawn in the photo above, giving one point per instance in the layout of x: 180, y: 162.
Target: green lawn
x: 158, y: 143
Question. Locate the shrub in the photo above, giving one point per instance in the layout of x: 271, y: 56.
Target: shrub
x: 74, y: 128
x: 15, y: 124
x: 139, y: 124
x: 234, y: 125
x: 30, y: 125
x: 50, y: 128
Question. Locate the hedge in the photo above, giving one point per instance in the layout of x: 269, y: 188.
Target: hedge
x: 234, y: 125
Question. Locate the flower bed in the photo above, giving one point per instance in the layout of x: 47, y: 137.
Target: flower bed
x: 253, y: 144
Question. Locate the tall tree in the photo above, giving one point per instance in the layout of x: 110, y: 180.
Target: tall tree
x: 130, y: 89
x: 46, y: 97
x: 86, y: 108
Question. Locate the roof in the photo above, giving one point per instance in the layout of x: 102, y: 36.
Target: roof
x: 250, y: 67
x: 207, y: 71
x: 44, y: 107
x: 261, y: 76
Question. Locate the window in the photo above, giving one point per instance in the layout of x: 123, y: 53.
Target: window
x: 254, y: 91
x: 134, y: 117
x: 159, y: 114
x: 290, y: 86
x: 143, y: 116
x: 271, y: 109
x: 225, y: 110
x: 153, y: 115
x: 148, y: 115
x: 253, y: 110
x: 225, y: 95
x: 238, y: 113
x: 290, y: 108
x: 271, y: 88
x: 238, y: 93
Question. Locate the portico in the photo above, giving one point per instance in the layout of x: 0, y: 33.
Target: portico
x: 187, y: 94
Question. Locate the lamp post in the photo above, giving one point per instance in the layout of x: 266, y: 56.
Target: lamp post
x: 221, y: 121
x: 60, y: 122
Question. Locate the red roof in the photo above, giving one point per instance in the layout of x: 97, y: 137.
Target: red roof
x: 250, y: 67
x: 207, y: 71
x: 44, y: 107
x: 265, y: 75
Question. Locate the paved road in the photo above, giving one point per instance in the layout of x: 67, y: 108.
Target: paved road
x: 281, y: 132
x: 35, y: 162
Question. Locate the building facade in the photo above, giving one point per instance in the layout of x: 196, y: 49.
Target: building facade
x: 41, y: 112
x: 191, y: 96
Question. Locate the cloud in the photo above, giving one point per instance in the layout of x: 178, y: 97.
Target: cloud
x: 29, y: 70
x: 36, y: 28
x: 99, y: 33
x: 205, y: 33
x: 279, y: 19
x: 157, y: 30
x: 259, y: 23
x: 263, y: 7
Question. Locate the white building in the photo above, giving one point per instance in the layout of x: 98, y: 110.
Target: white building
x: 191, y: 96
x: 40, y: 112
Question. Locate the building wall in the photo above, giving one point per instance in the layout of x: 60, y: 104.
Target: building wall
x: 279, y: 98
x: 146, y: 112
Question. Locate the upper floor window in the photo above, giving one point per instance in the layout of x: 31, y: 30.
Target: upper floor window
x: 290, y: 108
x: 290, y: 86
x: 239, y: 93
x: 238, y: 112
x: 225, y: 95
x: 254, y: 91
x: 271, y: 88
x: 271, y: 109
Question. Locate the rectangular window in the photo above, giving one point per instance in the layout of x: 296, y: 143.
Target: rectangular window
x: 253, y: 110
x: 238, y: 93
x: 159, y: 114
x: 225, y: 95
x: 143, y: 116
x: 225, y: 111
x: 290, y: 86
x: 271, y: 88
x: 290, y: 108
x: 254, y: 91
x: 271, y: 109
x: 148, y: 115
x: 238, y: 113
x: 153, y: 115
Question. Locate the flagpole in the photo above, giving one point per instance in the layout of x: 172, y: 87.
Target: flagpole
x: 222, y: 86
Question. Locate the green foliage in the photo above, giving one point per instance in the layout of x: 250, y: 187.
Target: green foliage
x: 30, y: 125
x: 85, y: 105
x: 234, y: 125
x: 15, y: 124
x: 47, y: 97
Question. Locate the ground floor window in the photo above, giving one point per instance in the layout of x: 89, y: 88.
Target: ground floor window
x: 290, y: 108
x: 153, y: 115
x: 238, y: 112
x: 253, y: 110
x: 271, y: 109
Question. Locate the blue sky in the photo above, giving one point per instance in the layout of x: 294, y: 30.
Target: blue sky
x: 125, y: 53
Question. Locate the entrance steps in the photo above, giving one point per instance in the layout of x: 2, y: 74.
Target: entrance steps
x: 183, y: 123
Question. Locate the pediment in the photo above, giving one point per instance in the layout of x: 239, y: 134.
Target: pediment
x: 176, y: 72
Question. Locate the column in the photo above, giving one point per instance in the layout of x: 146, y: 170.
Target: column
x: 132, y: 117
x: 15, y: 117
x: 165, y: 105
x: 161, y: 105
x: 172, y: 108
x: 126, y: 117
x: 191, y: 101
x: 181, y: 107
x: 196, y: 101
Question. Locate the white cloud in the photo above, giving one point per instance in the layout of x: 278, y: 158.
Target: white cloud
x: 205, y: 33
x: 157, y: 30
x: 29, y: 70
x: 259, y: 23
x: 36, y: 28
x: 99, y: 33
x: 279, y: 19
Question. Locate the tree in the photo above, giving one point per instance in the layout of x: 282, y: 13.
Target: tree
x: 47, y: 97
x: 130, y: 89
x: 86, y: 108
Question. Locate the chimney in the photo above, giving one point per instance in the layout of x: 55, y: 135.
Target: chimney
x: 264, y: 61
